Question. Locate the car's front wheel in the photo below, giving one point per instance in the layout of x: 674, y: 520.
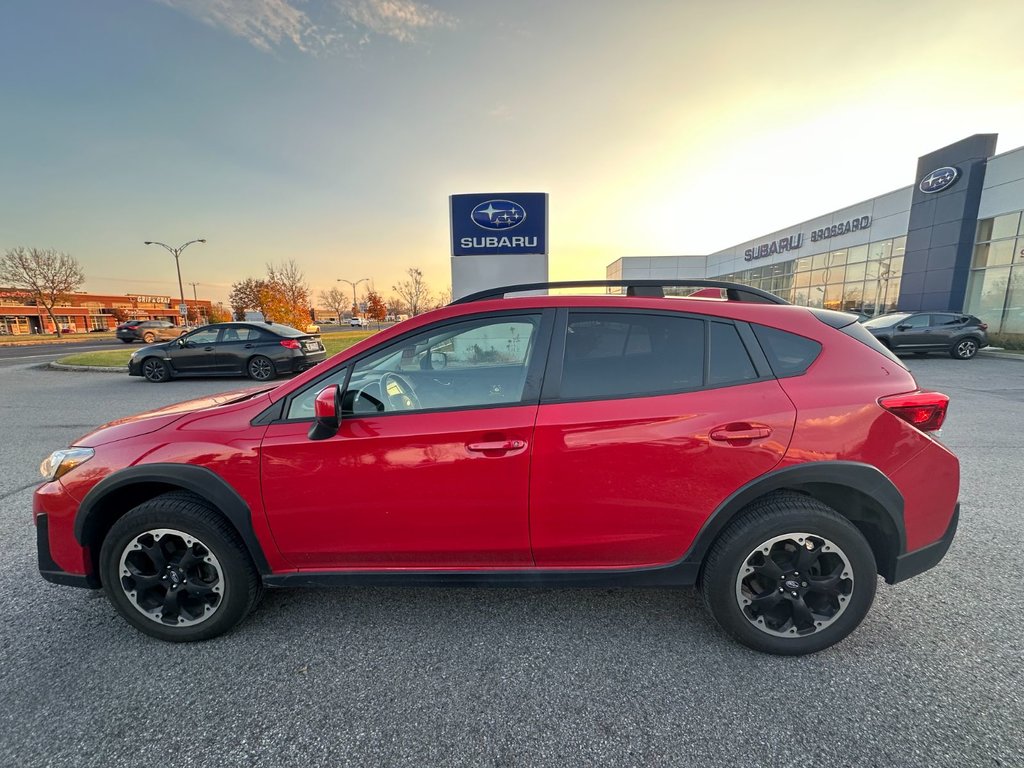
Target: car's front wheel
x: 155, y: 370
x: 964, y: 349
x: 790, y: 576
x: 127, y: 341
x: 176, y: 570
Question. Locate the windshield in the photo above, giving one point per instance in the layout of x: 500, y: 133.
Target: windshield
x: 886, y: 320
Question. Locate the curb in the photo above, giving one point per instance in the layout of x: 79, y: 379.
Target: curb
x: 88, y: 368
x: 33, y: 343
x: 1001, y: 355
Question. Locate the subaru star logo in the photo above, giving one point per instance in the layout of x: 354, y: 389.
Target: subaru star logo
x: 939, y: 179
x: 498, y: 214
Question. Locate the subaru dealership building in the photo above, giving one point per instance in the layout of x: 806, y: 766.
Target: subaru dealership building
x: 953, y: 240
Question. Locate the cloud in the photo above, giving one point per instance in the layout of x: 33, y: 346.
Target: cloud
x: 399, y: 19
x: 313, y: 27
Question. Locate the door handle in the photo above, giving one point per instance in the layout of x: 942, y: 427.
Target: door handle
x: 495, y: 446
x: 249, y: 346
x: 208, y: 349
x: 740, y: 433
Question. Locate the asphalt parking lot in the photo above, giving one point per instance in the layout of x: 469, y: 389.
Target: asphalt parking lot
x: 420, y: 677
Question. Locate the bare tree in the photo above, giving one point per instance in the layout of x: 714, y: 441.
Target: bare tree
x: 336, y: 300
x: 396, y: 306
x: 443, y: 299
x: 413, y: 292
x: 291, y: 282
x: 48, y: 276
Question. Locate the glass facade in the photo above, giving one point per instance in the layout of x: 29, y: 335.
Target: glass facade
x: 864, y: 278
x: 995, y: 291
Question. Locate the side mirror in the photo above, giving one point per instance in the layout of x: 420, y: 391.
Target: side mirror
x: 327, y: 410
x: 181, y: 342
x: 438, y: 360
x: 902, y: 327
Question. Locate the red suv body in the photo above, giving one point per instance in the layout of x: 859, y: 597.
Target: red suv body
x: 776, y: 456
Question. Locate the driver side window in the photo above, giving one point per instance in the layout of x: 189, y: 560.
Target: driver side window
x: 474, y: 363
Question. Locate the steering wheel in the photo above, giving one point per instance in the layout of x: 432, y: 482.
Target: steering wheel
x: 399, y: 392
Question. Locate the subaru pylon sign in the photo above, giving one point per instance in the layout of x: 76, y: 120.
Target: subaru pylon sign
x: 502, y: 224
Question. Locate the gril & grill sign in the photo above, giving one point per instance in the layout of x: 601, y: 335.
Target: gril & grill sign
x: 499, y: 223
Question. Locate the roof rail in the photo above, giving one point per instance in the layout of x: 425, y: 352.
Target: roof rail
x: 639, y: 288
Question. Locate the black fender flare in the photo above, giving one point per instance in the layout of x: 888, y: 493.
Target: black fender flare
x: 201, y: 481
x: 812, y: 477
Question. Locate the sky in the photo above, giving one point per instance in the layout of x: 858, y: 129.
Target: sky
x: 332, y: 132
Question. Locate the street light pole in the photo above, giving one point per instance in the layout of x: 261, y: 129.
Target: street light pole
x: 176, y: 252
x: 355, y: 305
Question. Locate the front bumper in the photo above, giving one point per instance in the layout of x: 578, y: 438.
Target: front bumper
x: 913, y: 563
x: 62, y: 560
x: 48, y: 569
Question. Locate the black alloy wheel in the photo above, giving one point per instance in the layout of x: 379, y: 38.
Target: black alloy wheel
x: 261, y: 368
x: 789, y: 576
x: 155, y: 370
x: 794, y: 584
x: 964, y: 349
x: 175, y: 569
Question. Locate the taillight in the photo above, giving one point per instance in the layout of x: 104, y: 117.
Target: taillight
x: 924, y: 410
x: 983, y: 326
x: 290, y: 343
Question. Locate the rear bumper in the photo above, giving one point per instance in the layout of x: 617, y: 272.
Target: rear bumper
x: 299, y: 362
x: 913, y: 563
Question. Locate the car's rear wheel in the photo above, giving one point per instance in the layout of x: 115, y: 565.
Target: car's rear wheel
x: 155, y: 370
x: 261, y: 368
x: 127, y: 341
x: 790, y: 576
x: 176, y: 570
x: 964, y: 349
x: 149, y: 338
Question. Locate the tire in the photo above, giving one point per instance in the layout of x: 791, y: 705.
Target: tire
x: 127, y: 341
x: 737, y: 574
x: 964, y: 349
x: 150, y: 555
x: 148, y: 338
x: 155, y: 370
x: 260, y: 368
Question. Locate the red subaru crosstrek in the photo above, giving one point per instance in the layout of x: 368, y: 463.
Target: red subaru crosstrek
x: 778, y: 457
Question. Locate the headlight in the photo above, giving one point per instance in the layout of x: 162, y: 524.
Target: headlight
x: 59, y: 463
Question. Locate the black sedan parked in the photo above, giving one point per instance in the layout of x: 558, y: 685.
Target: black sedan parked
x: 922, y: 332
x: 258, y: 350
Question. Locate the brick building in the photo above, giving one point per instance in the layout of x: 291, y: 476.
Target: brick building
x: 84, y: 312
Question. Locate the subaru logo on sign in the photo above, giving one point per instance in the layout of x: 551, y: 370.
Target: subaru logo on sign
x: 498, y: 214
x: 939, y: 179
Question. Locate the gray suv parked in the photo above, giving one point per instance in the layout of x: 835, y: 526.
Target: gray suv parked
x: 922, y: 332
x: 148, y: 331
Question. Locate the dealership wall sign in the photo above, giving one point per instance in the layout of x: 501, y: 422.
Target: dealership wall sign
x: 781, y: 245
x: 844, y: 228
x: 793, y: 242
x: 499, y: 224
x: 939, y: 179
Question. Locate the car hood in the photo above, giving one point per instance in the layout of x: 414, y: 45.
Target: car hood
x: 150, y: 421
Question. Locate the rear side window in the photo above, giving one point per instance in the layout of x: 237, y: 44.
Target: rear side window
x: 730, y: 363
x: 625, y: 355
x: 864, y: 336
x: 787, y: 353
